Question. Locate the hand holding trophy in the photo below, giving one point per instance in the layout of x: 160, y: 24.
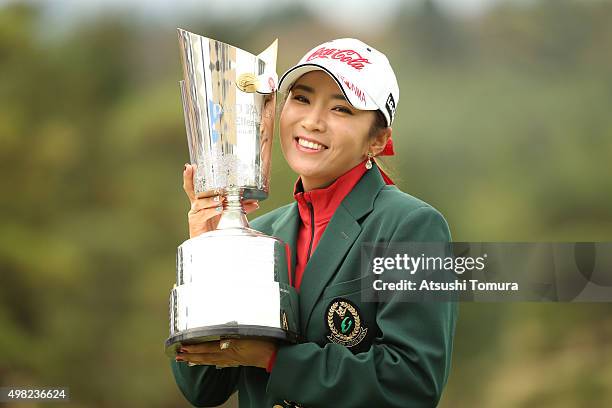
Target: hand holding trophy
x: 205, y: 209
x: 227, y: 279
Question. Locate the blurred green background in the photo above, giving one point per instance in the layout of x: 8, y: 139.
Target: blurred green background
x: 504, y: 125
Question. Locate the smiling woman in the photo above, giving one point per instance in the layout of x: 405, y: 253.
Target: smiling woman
x: 322, y: 135
x: 341, y: 101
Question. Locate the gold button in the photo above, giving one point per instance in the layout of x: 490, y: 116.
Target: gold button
x: 278, y: 406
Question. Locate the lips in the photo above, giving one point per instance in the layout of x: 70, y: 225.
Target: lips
x: 310, y: 144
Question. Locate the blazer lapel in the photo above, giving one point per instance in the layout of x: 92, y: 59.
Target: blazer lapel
x: 286, y: 228
x: 339, y: 236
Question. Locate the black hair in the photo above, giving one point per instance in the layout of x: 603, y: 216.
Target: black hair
x: 380, y: 123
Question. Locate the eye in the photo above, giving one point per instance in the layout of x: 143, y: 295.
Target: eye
x: 300, y: 98
x: 343, y: 109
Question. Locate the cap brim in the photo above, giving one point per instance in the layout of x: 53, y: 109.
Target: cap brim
x: 293, y: 74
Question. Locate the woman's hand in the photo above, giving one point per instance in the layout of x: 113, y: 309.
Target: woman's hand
x: 206, y: 207
x: 236, y: 352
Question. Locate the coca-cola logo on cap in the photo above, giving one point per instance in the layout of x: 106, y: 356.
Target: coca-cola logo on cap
x: 349, y: 57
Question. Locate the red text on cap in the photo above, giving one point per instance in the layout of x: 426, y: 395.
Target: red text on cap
x: 350, y: 57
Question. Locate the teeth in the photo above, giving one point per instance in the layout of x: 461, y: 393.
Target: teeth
x: 310, y: 145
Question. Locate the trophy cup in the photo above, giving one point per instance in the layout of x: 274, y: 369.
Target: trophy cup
x: 227, y: 280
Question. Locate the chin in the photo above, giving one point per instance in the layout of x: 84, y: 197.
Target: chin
x: 305, y: 169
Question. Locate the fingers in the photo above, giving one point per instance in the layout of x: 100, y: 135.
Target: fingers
x: 207, y: 199
x: 188, y: 181
x: 206, y: 194
x: 199, y: 204
x: 224, y: 344
x: 216, y: 359
x: 216, y: 203
x: 222, y: 347
x: 208, y: 347
x: 210, y: 353
x: 250, y: 205
x: 243, y: 352
x: 188, y: 172
x: 211, y: 346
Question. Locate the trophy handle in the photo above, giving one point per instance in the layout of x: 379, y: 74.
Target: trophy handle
x: 269, y: 79
x: 269, y: 55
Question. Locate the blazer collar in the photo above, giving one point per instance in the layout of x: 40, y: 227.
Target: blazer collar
x: 360, y: 201
x: 339, y: 236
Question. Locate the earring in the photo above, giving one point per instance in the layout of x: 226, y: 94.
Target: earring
x: 368, y: 164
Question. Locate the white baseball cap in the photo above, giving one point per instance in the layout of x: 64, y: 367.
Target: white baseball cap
x: 363, y: 74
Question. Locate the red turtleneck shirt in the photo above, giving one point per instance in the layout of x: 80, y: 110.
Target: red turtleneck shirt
x: 316, y: 208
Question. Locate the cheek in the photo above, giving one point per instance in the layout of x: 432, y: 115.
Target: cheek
x: 288, y: 118
x: 349, y: 141
x: 360, y: 136
x: 283, y: 122
x: 284, y: 126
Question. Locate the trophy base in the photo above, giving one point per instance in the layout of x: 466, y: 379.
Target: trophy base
x: 226, y: 331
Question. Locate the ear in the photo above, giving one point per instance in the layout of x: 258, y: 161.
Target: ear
x: 379, y: 142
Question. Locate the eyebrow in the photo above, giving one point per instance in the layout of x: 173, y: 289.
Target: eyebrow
x: 310, y: 89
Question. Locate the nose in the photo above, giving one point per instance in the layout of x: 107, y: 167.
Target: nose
x: 314, y: 120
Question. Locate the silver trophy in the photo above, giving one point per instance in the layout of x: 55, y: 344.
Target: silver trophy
x: 227, y: 280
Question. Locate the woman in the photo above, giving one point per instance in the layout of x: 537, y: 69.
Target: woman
x: 335, y: 120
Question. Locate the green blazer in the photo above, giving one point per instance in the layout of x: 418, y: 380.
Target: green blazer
x: 402, y: 359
